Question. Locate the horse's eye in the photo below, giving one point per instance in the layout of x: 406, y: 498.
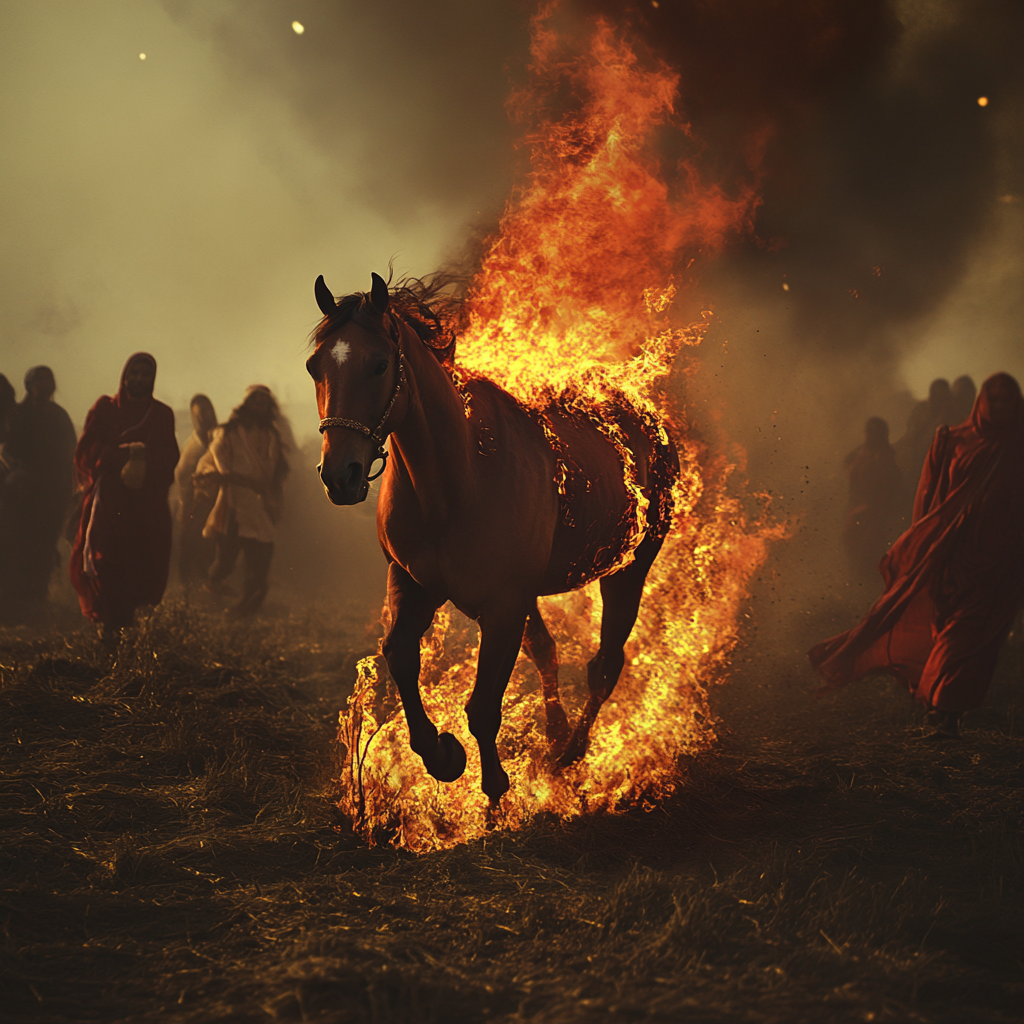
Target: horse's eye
x: 380, y: 368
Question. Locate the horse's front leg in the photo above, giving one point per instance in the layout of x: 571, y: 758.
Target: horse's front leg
x: 501, y: 636
x: 412, y: 612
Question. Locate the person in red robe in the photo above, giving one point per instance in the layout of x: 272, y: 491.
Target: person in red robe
x: 955, y: 579
x: 125, y: 461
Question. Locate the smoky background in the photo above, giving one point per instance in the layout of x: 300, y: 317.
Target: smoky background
x: 184, y: 204
x: 887, y: 249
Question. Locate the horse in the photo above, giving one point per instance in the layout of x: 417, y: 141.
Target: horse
x: 488, y: 504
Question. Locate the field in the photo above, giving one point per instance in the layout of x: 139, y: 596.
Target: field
x: 170, y: 852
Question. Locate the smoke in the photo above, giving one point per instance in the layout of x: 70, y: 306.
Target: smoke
x: 407, y: 97
x: 190, y: 197
x: 879, y: 171
x: 184, y: 203
x: 887, y: 246
x: 887, y: 249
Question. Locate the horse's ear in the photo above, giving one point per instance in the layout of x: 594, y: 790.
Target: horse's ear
x: 324, y: 298
x: 379, y: 294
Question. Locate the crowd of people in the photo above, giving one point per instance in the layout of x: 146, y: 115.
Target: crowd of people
x: 953, y: 567
x: 109, y: 489
x: 883, y: 477
x: 939, y: 515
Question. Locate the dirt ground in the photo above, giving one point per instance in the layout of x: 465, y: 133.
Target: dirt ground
x: 170, y: 853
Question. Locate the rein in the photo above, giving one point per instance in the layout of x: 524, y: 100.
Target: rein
x: 376, y: 434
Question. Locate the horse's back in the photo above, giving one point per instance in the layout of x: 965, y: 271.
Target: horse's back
x: 584, y: 454
x: 598, y: 449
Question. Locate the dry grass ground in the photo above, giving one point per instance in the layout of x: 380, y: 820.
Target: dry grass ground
x: 169, y: 853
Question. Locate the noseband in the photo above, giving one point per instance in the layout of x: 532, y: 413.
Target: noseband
x: 376, y: 434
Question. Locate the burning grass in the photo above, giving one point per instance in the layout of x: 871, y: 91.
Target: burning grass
x: 171, y: 852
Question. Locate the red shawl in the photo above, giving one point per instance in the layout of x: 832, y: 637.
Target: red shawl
x: 954, y: 580
x: 122, y: 551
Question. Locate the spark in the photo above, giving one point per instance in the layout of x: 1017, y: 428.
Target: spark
x: 982, y: 101
x: 142, y: 56
x: 785, y: 287
x: 298, y: 28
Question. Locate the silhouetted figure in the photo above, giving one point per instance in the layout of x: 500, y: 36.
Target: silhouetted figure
x: 875, y: 500
x: 926, y: 417
x: 962, y: 400
x: 7, y: 403
x: 36, y: 472
x: 125, y: 461
x: 194, y: 507
x: 247, y: 459
x: 955, y: 579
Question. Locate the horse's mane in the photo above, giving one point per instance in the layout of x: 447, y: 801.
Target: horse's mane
x: 431, y: 306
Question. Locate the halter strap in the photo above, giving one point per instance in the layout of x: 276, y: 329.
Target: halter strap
x: 378, y: 435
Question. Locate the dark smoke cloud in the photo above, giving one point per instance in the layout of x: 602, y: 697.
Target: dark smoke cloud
x: 408, y: 95
x: 879, y: 172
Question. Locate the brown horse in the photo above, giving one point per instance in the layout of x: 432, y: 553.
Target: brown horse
x: 487, y: 505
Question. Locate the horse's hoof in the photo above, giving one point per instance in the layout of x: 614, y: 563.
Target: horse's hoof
x: 494, y: 815
x: 495, y: 785
x: 450, y: 761
x: 574, y: 750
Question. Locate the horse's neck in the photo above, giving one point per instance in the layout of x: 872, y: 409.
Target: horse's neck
x: 430, y: 448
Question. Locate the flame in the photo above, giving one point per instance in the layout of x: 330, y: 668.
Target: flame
x: 574, y: 299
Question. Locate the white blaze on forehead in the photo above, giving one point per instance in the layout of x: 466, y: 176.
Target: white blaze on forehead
x: 340, y: 351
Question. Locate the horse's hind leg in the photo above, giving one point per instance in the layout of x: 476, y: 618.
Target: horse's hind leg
x: 540, y: 649
x: 412, y: 612
x: 620, y: 596
x: 501, y: 636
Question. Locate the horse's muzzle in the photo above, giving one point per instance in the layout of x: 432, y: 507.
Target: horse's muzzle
x: 347, y: 487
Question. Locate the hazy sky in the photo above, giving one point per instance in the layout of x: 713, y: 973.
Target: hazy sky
x: 183, y: 204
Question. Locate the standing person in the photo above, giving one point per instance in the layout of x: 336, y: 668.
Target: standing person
x: 954, y: 580
x: 7, y: 403
x: 962, y: 400
x: 36, y: 471
x: 248, y: 458
x: 196, y: 553
x: 925, y: 418
x: 125, y: 461
x: 875, y: 498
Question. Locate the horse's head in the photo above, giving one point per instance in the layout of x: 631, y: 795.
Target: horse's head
x: 357, y: 368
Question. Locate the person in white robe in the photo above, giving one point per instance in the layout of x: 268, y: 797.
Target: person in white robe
x: 195, y: 553
x: 247, y: 463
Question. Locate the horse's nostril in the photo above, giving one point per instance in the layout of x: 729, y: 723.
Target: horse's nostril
x: 355, y: 476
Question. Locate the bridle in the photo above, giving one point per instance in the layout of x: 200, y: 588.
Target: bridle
x: 377, y: 435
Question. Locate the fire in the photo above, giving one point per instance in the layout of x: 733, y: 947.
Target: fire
x: 574, y: 297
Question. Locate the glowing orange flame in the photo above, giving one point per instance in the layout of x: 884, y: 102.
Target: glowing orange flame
x: 574, y: 297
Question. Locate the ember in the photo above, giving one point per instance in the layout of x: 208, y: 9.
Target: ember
x: 574, y: 300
